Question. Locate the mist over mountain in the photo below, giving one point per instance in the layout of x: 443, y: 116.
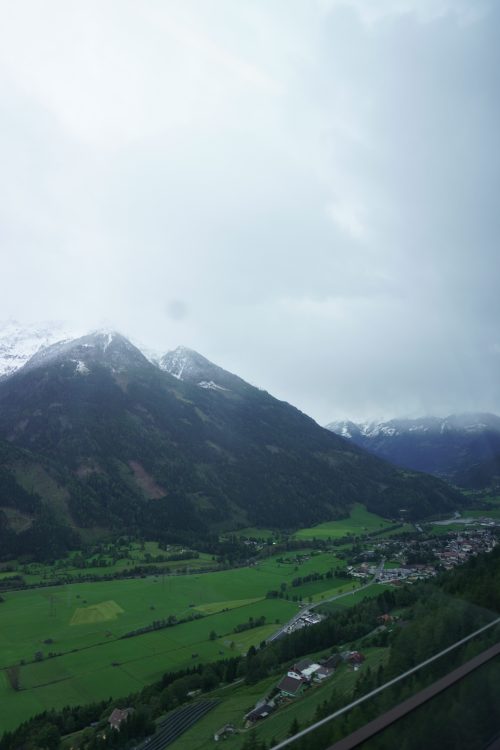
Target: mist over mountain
x: 20, y: 341
x: 102, y: 438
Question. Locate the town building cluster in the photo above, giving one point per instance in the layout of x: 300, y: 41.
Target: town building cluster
x: 435, y: 552
x: 464, y: 545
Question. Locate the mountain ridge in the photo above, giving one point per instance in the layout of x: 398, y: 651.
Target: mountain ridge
x: 105, y: 439
x: 448, y: 447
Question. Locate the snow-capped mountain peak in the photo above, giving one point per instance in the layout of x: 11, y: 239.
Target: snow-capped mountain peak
x: 352, y: 430
x: 34, y: 345
x: 397, y: 427
x: 104, y: 347
x: 180, y: 363
x: 441, y: 446
x: 185, y: 364
x: 20, y: 342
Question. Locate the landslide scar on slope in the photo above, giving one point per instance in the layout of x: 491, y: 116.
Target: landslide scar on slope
x: 146, y: 482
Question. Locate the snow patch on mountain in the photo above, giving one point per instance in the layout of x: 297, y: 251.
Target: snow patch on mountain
x: 211, y: 386
x: 180, y: 362
x: 187, y: 365
x: 352, y: 430
x: 109, y: 339
x: 81, y: 368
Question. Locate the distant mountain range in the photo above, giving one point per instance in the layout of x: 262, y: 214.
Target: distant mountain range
x: 462, y: 448
x: 96, y: 437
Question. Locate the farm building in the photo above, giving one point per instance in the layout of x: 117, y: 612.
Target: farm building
x: 354, y: 658
x: 117, y: 716
x: 302, y: 664
x: 323, y: 673
x: 291, y: 685
x: 306, y: 668
x: 258, y: 713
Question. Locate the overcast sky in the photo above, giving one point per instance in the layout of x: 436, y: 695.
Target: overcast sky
x: 307, y: 192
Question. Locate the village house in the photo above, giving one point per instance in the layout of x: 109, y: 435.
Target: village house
x: 323, y: 673
x: 291, y: 685
x: 306, y: 668
x: 354, y: 658
x: 118, y: 716
x: 385, y: 619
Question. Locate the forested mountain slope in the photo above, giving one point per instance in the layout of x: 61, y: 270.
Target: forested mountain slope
x: 98, y: 434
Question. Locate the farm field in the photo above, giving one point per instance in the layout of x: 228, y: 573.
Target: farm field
x: 85, y: 621
x: 360, y: 521
x: 445, y: 529
x: 118, y: 667
x: 390, y: 564
x: 30, y: 617
x: 357, y: 596
x: 139, y: 555
x: 396, y: 530
x: 253, y: 532
x: 491, y: 512
x: 315, y: 591
x: 493, y: 500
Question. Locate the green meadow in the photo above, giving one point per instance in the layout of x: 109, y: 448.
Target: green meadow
x: 492, y: 512
x: 252, y: 532
x: 493, y: 500
x: 359, y: 522
x: 68, y: 641
x: 140, y: 554
x: 369, y: 592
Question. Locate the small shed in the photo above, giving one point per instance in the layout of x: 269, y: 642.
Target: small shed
x: 224, y: 732
x: 259, y: 713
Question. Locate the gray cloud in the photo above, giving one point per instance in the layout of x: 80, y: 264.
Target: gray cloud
x: 307, y: 193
